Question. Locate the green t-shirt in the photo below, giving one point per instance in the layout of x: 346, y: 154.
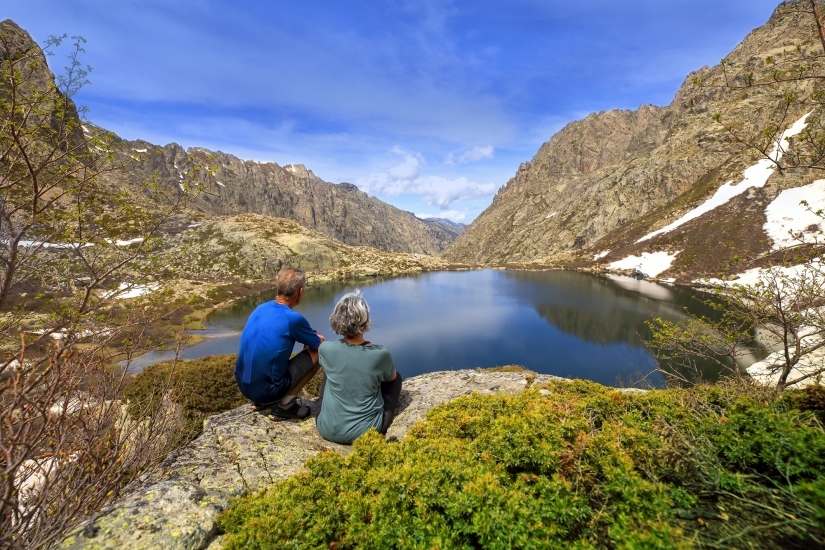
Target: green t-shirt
x: 352, y: 402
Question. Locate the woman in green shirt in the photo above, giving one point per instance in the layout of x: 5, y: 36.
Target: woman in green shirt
x: 361, y: 386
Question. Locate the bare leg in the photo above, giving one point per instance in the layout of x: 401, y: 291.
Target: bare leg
x: 300, y: 385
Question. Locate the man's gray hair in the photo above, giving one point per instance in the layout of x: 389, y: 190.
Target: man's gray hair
x: 289, y: 281
x: 351, y: 315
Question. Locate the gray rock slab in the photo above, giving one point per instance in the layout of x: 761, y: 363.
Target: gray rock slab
x: 242, y: 451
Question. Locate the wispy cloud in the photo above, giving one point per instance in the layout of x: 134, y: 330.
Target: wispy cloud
x: 405, y: 179
x: 477, y: 153
x: 453, y: 215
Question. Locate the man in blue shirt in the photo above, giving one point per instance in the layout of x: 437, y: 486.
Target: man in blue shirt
x: 264, y: 371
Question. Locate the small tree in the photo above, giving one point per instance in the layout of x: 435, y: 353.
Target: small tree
x: 785, y: 306
x: 71, y: 249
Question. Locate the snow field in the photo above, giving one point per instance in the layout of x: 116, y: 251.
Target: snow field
x: 785, y: 215
x: 755, y: 176
x: 649, y: 263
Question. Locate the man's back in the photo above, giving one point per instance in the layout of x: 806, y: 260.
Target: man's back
x: 266, y: 345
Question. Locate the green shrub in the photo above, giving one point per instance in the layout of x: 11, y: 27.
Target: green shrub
x: 202, y: 387
x: 580, y: 467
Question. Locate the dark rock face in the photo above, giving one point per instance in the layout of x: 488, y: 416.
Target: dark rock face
x: 28, y: 57
x: 15, y: 39
x: 340, y: 211
x: 604, y: 181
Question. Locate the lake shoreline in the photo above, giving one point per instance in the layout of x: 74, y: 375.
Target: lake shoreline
x: 588, y: 325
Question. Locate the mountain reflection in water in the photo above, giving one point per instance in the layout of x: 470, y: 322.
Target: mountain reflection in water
x: 554, y: 322
x: 604, y: 309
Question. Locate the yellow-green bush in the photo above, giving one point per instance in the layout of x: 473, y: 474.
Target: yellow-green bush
x: 202, y: 387
x: 581, y: 467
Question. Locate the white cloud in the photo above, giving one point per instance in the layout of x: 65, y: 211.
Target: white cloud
x: 470, y: 155
x: 476, y: 153
x: 452, y: 215
x: 409, y: 169
x: 406, y: 179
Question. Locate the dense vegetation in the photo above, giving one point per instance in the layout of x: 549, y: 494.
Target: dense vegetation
x: 201, y: 387
x: 580, y: 466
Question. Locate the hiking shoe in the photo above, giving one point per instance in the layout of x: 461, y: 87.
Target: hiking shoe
x: 294, y: 410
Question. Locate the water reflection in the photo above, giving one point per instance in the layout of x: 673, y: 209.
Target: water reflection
x: 556, y: 322
x: 603, y: 309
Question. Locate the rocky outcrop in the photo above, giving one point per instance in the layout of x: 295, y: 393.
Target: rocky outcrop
x: 239, y: 186
x: 36, y: 84
x: 603, y: 182
x: 253, y: 246
x: 242, y: 451
x: 16, y: 43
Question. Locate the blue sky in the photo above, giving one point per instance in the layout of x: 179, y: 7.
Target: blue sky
x: 430, y: 105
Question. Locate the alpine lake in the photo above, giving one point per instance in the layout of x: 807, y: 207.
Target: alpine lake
x: 564, y: 323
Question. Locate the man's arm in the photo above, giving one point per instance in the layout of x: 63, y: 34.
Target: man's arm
x: 300, y: 330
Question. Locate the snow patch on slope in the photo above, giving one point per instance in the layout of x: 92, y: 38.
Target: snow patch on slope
x: 128, y: 290
x: 769, y: 369
x: 649, y: 263
x: 751, y: 277
x: 128, y: 242
x: 785, y: 215
x: 755, y: 176
x: 43, y: 244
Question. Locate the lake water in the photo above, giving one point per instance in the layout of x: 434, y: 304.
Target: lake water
x: 564, y: 323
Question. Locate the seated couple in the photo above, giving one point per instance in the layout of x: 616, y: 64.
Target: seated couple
x: 361, y: 387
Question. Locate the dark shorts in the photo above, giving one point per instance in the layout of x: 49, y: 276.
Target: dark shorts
x: 298, y: 367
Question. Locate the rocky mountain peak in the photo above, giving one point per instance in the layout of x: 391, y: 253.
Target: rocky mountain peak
x: 604, y: 181
x: 300, y: 170
x: 292, y: 191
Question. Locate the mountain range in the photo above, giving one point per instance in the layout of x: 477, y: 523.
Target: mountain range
x: 292, y: 191
x: 668, y: 191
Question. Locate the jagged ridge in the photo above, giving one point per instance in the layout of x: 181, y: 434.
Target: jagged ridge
x: 241, y: 186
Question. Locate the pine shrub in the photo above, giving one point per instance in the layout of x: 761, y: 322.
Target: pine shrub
x: 201, y: 387
x: 582, y: 466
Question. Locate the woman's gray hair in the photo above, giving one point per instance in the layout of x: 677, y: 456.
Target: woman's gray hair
x: 351, y: 315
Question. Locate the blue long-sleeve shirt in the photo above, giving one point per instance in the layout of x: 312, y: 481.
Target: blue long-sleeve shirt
x: 266, y: 344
